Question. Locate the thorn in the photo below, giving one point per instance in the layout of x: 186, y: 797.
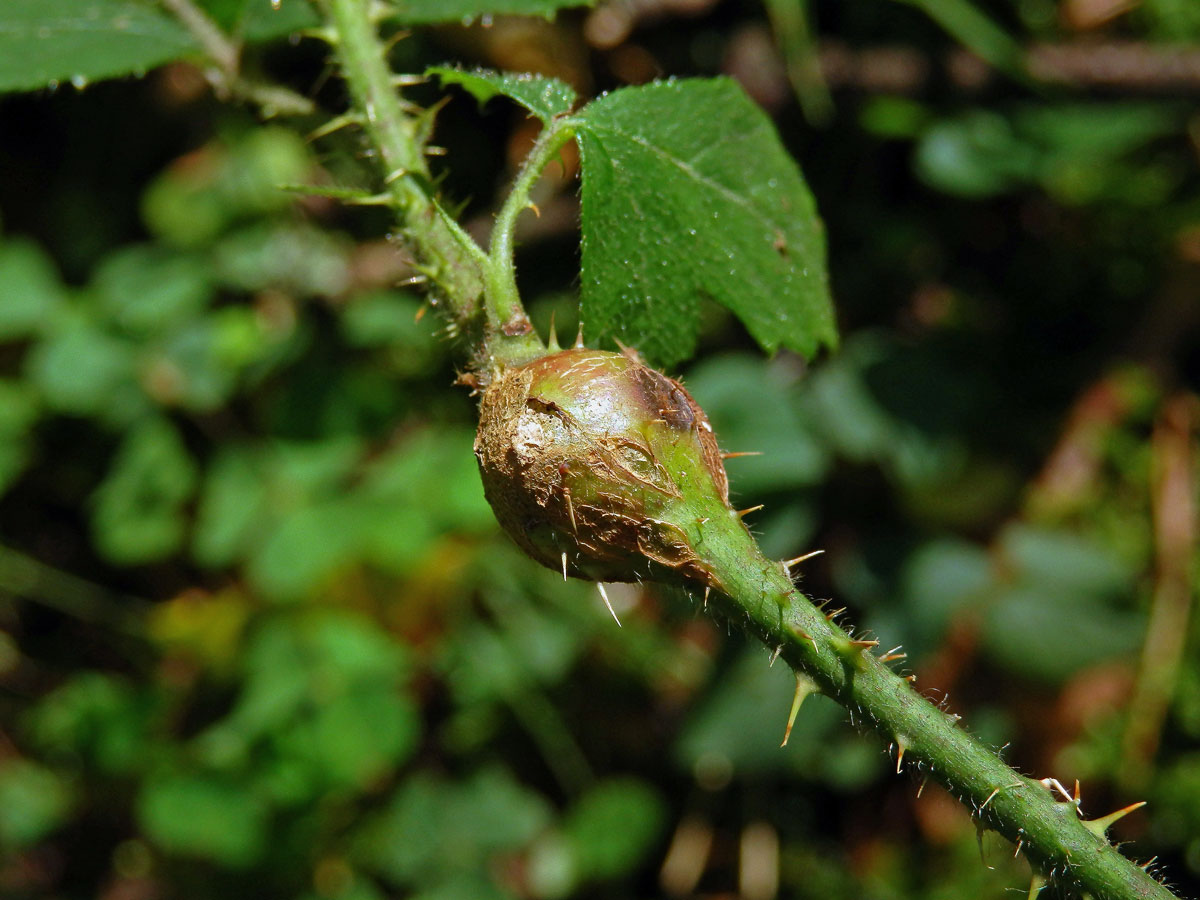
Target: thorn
x: 604, y: 594
x: 745, y: 512
x: 741, y: 453
x: 570, y: 509
x: 394, y: 175
x: 804, y: 687
x: 630, y: 353
x: 893, y: 654
x: 707, y: 588
x: 432, y: 150
x: 703, y: 521
x: 991, y: 797
x: 924, y: 781
x: 537, y: 212
x: 805, y: 636
x: 1020, y: 844
x: 1053, y: 784
x: 414, y: 280
x: 552, y: 344
x: 1099, y: 827
x: 342, y: 121
x: 911, y: 679
x: 852, y: 651
x: 564, y: 565
x: 899, y: 756
x: 788, y: 563
x: 830, y: 616
x: 1145, y: 867
x: 421, y: 310
x: 774, y: 656
x: 1037, y: 883
x: 579, y: 337
x: 1076, y: 791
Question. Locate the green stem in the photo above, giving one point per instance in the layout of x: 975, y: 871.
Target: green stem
x: 759, y: 593
x: 504, y: 309
x: 446, y: 254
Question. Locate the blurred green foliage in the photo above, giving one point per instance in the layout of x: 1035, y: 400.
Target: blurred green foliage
x: 259, y: 634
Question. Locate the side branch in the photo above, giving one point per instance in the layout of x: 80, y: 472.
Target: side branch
x: 446, y: 254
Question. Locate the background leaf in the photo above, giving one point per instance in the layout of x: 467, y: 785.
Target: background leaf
x: 422, y: 12
x: 688, y: 194
x: 45, y: 42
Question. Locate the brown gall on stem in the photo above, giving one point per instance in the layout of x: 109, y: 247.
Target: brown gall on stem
x: 597, y: 456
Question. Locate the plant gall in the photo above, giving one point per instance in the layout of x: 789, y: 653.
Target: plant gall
x: 601, y: 466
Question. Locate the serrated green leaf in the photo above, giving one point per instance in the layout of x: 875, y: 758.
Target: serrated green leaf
x: 44, y: 42
x: 542, y: 96
x: 688, y: 193
x: 422, y: 12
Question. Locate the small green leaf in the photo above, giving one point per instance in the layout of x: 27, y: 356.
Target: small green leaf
x: 434, y: 829
x: 423, y: 12
x: 688, y: 193
x: 45, y: 42
x: 33, y: 801
x: 98, y: 718
x: 138, y: 516
x: 613, y: 826
x: 145, y: 289
x: 544, y: 97
x: 81, y: 369
x: 32, y: 289
x: 18, y: 412
x: 201, y: 816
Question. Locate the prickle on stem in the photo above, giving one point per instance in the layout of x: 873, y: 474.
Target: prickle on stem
x: 804, y: 687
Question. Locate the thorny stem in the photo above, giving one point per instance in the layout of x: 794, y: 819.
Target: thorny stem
x: 1048, y: 828
x: 395, y: 134
x: 446, y: 253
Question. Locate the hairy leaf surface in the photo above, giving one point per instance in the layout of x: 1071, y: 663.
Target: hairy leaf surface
x: 688, y: 194
x: 544, y: 97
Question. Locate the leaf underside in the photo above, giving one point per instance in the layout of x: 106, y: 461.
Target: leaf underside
x: 688, y: 194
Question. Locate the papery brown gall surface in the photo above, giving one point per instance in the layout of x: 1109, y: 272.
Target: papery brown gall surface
x: 596, y: 455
